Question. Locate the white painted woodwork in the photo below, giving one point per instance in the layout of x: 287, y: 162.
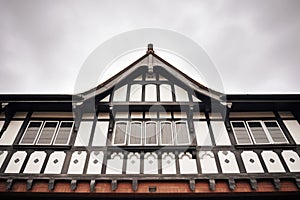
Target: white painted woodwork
x: 168, y: 163
x: 272, y: 162
x: 105, y: 99
x: 133, y: 163
x: 207, y: 162
x: 120, y: 94
x: 165, y: 92
x: 100, y: 134
x: 3, y: 155
x: 150, y: 163
x: 228, y: 162
x: 241, y: 133
x: 187, y: 164
x: 115, y: 163
x: 220, y: 133
x: 11, y: 132
x: 251, y: 162
x: 135, y: 93
x: 84, y: 133
x: 181, y: 95
x: 294, y: 129
x: 292, y: 160
x: 35, y: 162
x: 150, y: 93
x: 16, y: 162
x: 95, y: 162
x: 202, y: 133
x: 195, y: 99
x: 77, y: 162
x: 55, y: 162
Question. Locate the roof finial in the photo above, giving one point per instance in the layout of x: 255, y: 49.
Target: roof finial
x: 150, y: 48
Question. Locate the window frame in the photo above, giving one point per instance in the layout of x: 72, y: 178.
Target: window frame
x: 41, y: 130
x: 56, y: 134
x: 175, y: 132
x: 36, y: 136
x: 129, y: 133
x: 248, y: 133
x: 160, y: 133
x: 145, y: 133
x: 273, y: 142
x: 114, y: 134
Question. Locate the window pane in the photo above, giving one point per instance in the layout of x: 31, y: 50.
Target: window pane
x: 181, y: 94
x: 135, y: 133
x: 165, y: 92
x: 120, y: 94
x: 258, y: 133
x: 63, y: 133
x: 150, y: 93
x: 84, y: 133
x: 182, y: 133
x: 241, y: 134
x: 47, y: 133
x: 31, y: 133
x: 120, y: 133
x: 135, y: 92
x: 100, y: 133
x: 150, y: 133
x: 275, y: 132
x: 166, y: 135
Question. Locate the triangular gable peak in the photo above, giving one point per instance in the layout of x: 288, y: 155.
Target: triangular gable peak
x: 151, y: 79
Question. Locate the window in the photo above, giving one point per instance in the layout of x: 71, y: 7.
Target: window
x: 120, y: 133
x: 135, y: 133
x: 47, y: 133
x: 182, y: 133
x: 258, y: 133
x: 166, y: 136
x: 151, y: 133
x: 241, y: 133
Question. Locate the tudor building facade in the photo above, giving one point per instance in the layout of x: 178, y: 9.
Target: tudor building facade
x: 150, y: 123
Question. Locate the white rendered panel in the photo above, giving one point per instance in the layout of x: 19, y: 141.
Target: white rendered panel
x: 150, y: 163
x: 1, y: 124
x: 55, y: 163
x: 168, y: 163
x: 220, y: 133
x: 115, y: 163
x: 181, y: 95
x: 272, y: 162
x: 84, y: 133
x: 135, y: 93
x: 187, y: 164
x: 251, y: 162
x: 120, y: 94
x: 11, y: 132
x: 35, y: 162
x: 292, y: 160
x: 77, y: 162
x: 294, y: 129
x: 133, y: 163
x: 228, y: 162
x: 208, y: 162
x: 150, y: 93
x: 165, y: 92
x: 202, y: 133
x: 95, y: 162
x: 16, y: 162
x: 105, y: 99
x: 100, y: 134
x: 3, y: 155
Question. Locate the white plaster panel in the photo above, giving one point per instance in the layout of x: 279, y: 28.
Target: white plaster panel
x: 120, y: 94
x: 150, y: 93
x: 95, y: 162
x: 272, y: 162
x: 168, y: 163
x: 133, y: 163
x: 292, y: 160
x: 100, y: 134
x: 187, y: 165
x: 35, y: 162
x: 228, y: 162
x: 207, y: 162
x: 115, y: 163
x: 16, y: 162
x: 294, y: 129
x: 55, y: 162
x: 150, y: 163
x: 202, y: 133
x: 11, y: 132
x: 165, y: 93
x: 84, y: 133
x: 77, y: 162
x: 220, y: 133
x: 3, y: 155
x: 181, y: 95
x: 135, y: 93
x: 251, y: 162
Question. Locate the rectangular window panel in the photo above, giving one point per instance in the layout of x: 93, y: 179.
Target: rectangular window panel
x: 120, y: 133
x: 135, y: 133
x: 84, y: 133
x: 150, y: 93
x: 63, y: 134
x: 181, y: 94
x: 11, y: 132
x: 202, y: 133
x: 47, y: 133
x: 100, y: 134
x: 120, y: 94
x: 135, y: 92
x: 275, y: 132
x: 258, y: 132
x: 151, y: 133
x: 166, y: 135
x: 31, y: 132
x: 220, y: 133
x: 241, y: 133
x: 165, y: 93
x: 294, y: 129
x: 182, y: 133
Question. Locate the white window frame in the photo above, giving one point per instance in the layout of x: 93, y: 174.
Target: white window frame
x: 141, y: 133
x: 160, y: 128
x: 248, y: 133
x: 41, y: 130
x: 156, y: 132
x: 264, y: 129
x: 59, y: 126
x: 35, y: 139
x: 187, y: 130
x: 286, y: 140
x: 114, y: 134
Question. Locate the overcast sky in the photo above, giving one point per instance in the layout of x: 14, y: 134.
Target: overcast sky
x: 255, y: 45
